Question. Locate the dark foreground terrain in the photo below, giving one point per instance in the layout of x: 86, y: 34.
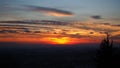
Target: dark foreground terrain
x: 47, y: 56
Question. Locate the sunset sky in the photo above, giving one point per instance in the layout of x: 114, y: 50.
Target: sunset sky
x: 59, y: 21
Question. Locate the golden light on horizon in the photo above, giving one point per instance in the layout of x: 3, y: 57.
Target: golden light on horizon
x: 63, y: 40
x: 51, y: 40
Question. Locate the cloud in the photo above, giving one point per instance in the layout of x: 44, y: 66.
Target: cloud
x: 8, y: 31
x: 77, y: 35
x: 15, y: 30
x: 37, y: 32
x: 97, y: 27
x: 44, y: 10
x: 117, y: 25
x: 49, y: 28
x: 51, y: 22
x: 51, y: 11
x: 91, y: 32
x: 96, y: 17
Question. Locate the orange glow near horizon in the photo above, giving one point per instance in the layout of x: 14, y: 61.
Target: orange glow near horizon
x: 50, y: 40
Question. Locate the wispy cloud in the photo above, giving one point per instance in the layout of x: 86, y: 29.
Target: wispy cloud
x: 48, y: 11
x: 51, y: 11
x: 8, y: 31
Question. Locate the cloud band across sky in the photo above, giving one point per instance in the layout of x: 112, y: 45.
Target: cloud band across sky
x: 46, y: 30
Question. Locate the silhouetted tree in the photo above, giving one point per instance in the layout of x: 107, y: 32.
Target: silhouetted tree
x: 104, y: 55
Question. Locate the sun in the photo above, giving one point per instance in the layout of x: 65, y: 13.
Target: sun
x: 62, y: 40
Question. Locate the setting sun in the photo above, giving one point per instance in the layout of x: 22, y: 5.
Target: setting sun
x: 63, y: 40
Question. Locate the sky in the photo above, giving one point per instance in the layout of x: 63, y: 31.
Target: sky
x: 59, y: 21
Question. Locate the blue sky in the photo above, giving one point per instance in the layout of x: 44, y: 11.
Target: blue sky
x: 82, y: 9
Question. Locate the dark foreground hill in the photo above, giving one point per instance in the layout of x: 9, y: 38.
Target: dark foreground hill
x: 45, y: 56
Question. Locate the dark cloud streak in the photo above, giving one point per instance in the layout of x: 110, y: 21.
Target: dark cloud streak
x: 96, y: 17
x: 50, y: 10
x: 8, y: 31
